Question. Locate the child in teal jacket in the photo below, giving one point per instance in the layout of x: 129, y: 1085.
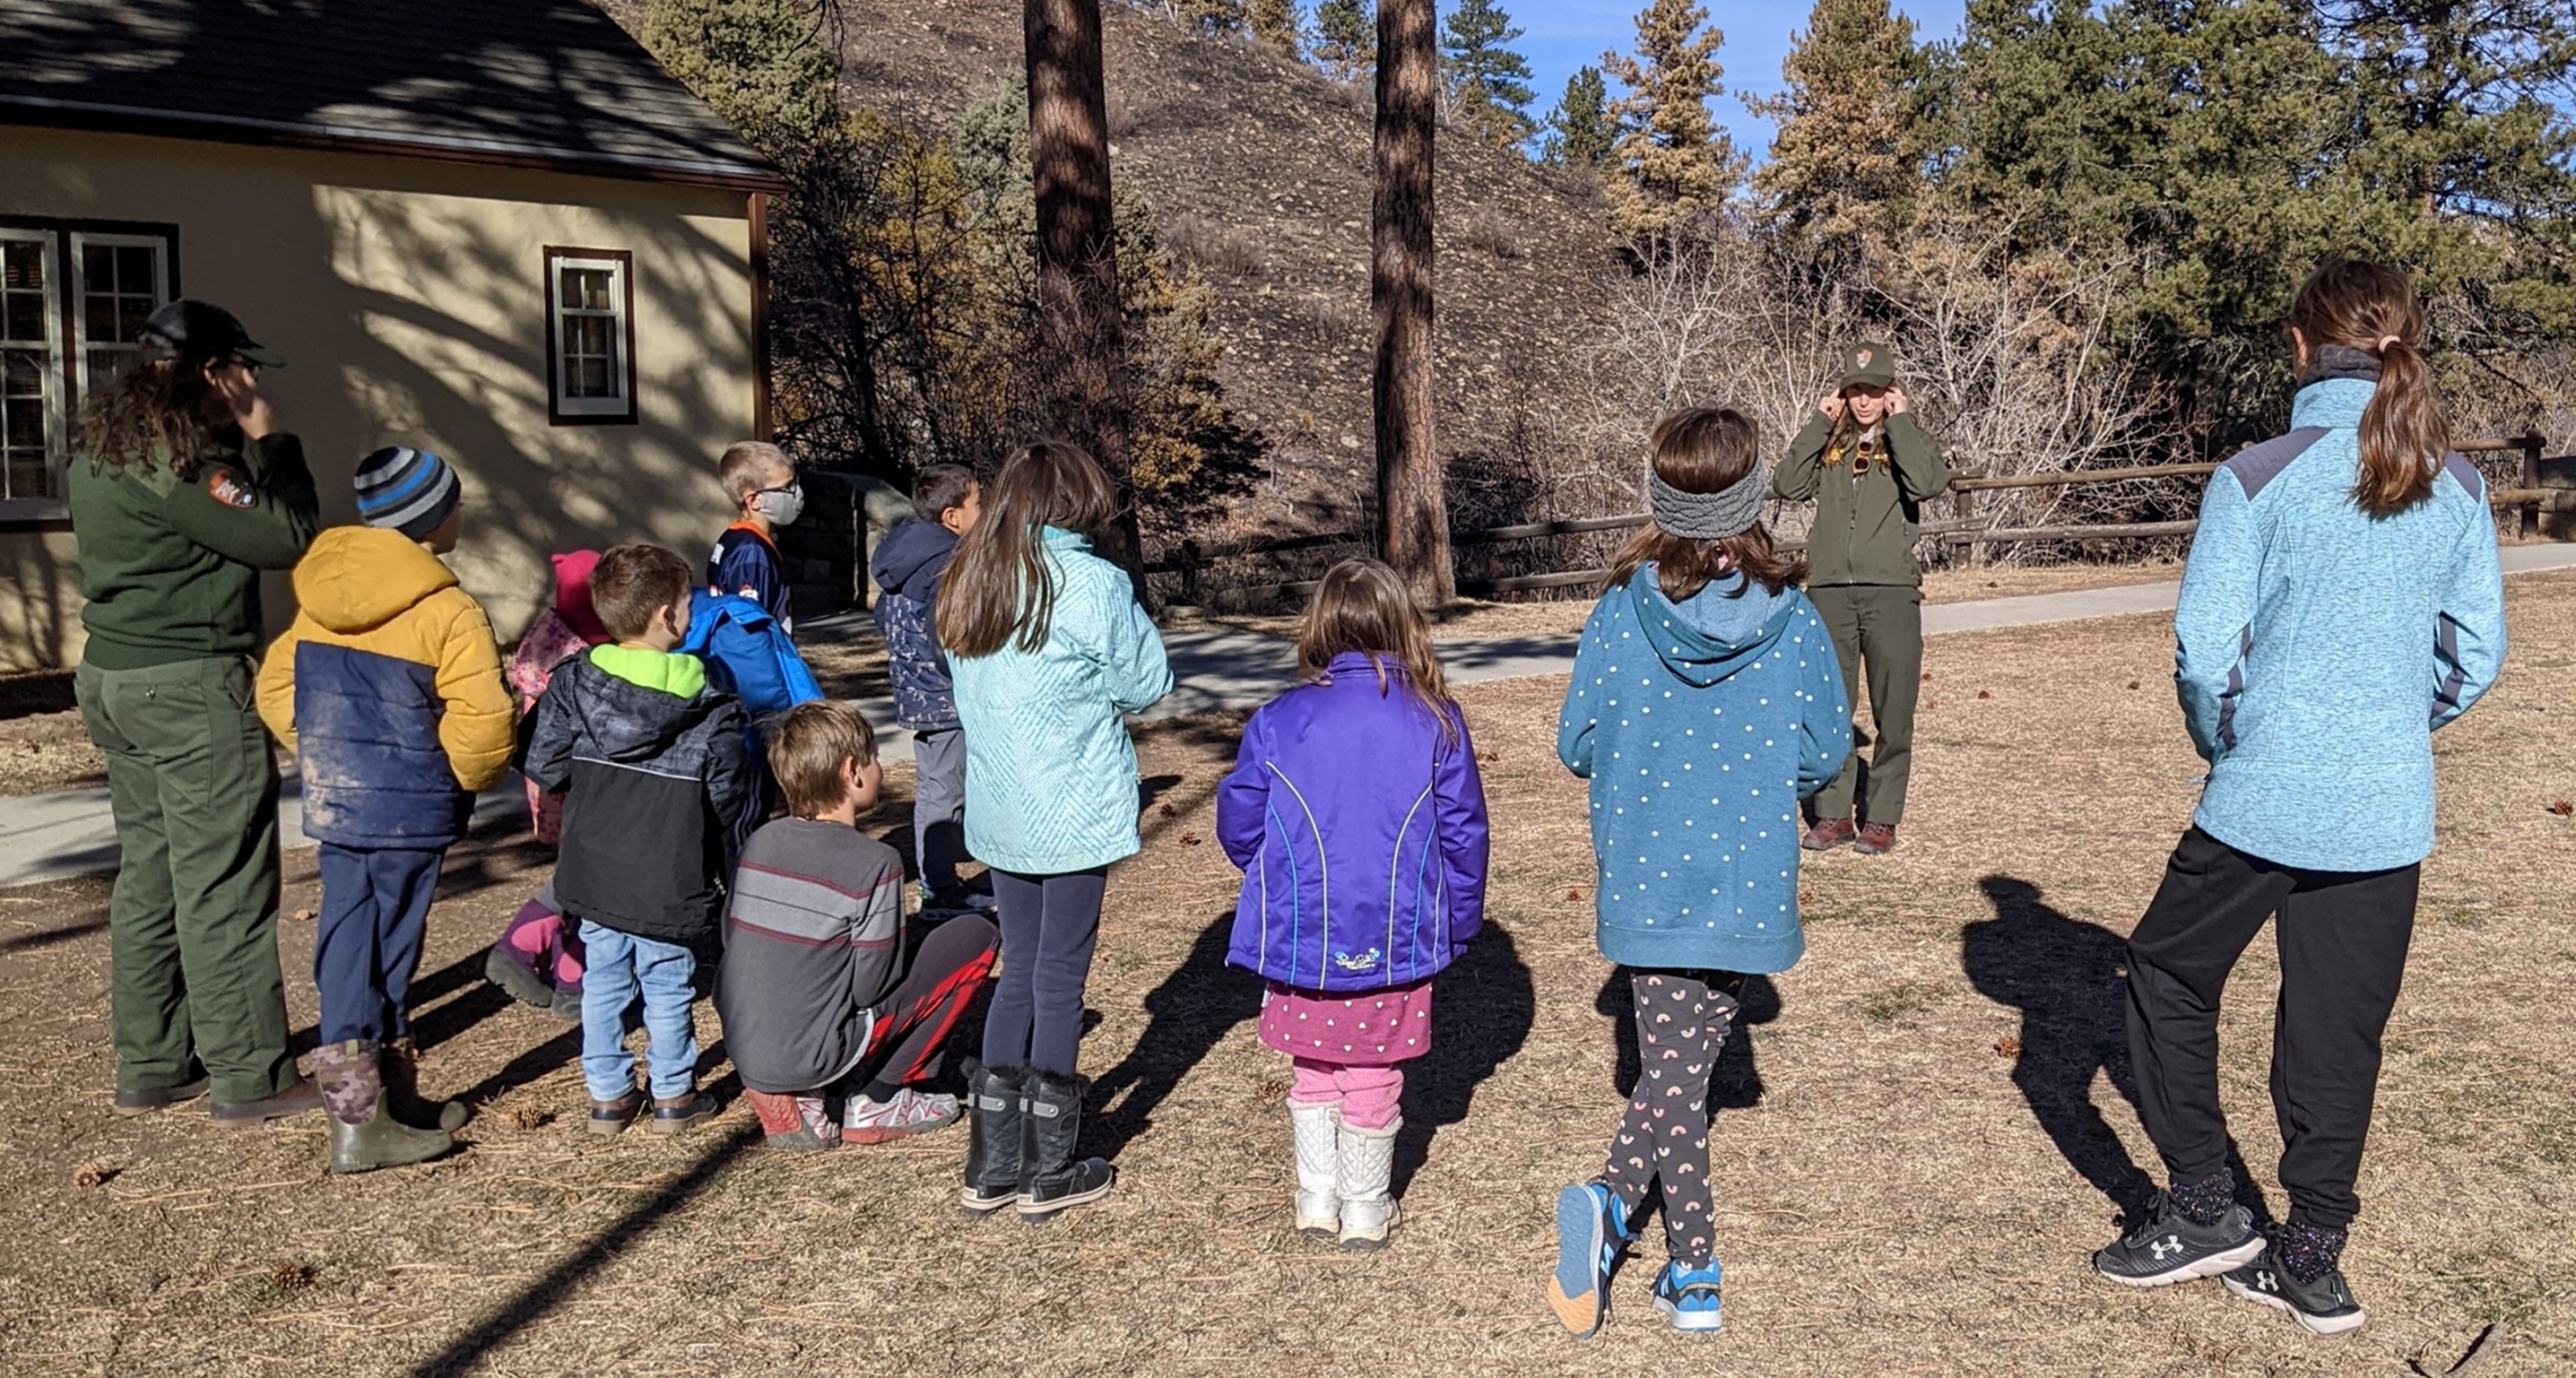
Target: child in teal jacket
x: 1705, y: 703
x: 1049, y: 652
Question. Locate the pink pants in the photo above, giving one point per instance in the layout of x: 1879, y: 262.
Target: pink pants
x: 1369, y: 1095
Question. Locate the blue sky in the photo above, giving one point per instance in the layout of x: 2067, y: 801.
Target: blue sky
x: 1565, y: 34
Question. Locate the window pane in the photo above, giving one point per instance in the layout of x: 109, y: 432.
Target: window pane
x: 99, y: 316
x: 131, y: 313
x: 134, y: 268
x: 28, y: 477
x: 26, y: 316
x: 105, y: 364
x: 568, y: 287
x: 594, y: 290
x: 22, y: 374
x: 592, y: 379
x: 22, y: 421
x: 98, y: 268
x: 22, y: 265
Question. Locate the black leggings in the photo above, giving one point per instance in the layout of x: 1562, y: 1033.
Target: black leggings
x: 2343, y: 940
x: 1682, y: 1019
x: 1049, y: 926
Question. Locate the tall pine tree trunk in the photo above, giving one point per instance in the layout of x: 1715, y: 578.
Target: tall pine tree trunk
x: 1413, y: 519
x: 1081, y: 336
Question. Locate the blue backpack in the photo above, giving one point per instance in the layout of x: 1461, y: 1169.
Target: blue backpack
x: 749, y: 657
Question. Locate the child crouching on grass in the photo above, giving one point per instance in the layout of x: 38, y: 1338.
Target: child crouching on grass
x: 1363, y: 772
x: 1706, y: 702
x: 815, y: 991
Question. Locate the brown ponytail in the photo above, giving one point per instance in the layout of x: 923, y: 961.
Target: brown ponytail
x: 2405, y: 432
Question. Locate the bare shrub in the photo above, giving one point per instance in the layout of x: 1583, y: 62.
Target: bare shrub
x: 1214, y: 246
x: 1493, y: 238
x: 1335, y: 322
x: 1125, y: 116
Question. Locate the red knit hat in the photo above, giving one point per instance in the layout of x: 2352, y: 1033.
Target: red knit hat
x: 572, y: 594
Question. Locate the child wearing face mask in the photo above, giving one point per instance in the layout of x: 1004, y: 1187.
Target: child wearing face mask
x: 766, y: 496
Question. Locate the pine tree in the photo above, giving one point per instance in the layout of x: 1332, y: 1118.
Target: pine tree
x: 1346, y: 38
x: 1847, y: 164
x: 1578, y: 130
x: 1679, y: 164
x: 758, y: 62
x: 1488, y: 84
x: 1277, y: 23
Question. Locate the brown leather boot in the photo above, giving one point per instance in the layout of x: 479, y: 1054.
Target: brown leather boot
x: 1876, y: 839
x: 1828, y: 834
x: 400, y: 1061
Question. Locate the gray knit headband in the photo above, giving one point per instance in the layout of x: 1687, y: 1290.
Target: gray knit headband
x: 1730, y: 511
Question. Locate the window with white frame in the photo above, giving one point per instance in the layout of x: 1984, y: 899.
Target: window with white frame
x: 73, y: 300
x: 590, y: 336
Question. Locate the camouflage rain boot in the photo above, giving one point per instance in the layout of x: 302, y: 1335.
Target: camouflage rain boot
x: 364, y: 1136
x: 399, y: 1063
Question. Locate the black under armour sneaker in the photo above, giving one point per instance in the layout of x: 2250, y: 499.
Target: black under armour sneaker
x: 2170, y: 1247
x: 2322, y: 1304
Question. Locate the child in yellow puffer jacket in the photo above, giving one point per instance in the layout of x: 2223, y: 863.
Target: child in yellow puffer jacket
x: 389, y: 687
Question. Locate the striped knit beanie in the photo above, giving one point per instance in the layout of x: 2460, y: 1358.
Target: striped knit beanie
x: 410, y: 490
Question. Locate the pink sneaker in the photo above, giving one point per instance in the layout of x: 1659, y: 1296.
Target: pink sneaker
x: 910, y: 1112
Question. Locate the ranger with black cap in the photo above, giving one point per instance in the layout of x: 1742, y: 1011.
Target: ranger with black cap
x: 182, y: 490
x: 1870, y: 467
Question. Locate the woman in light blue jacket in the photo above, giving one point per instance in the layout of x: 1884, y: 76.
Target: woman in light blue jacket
x: 1049, y: 652
x: 2343, y: 600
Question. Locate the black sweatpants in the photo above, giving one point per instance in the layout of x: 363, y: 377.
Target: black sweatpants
x: 1682, y: 1019
x: 1049, y: 926
x: 2342, y: 938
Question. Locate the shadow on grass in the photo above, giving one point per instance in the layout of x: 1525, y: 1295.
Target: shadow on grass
x: 2069, y: 979
x: 495, y: 1328
x: 1189, y: 1014
x: 1482, y: 1007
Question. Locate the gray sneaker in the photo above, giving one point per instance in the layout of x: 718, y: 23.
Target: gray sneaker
x: 2169, y: 1247
x: 2323, y: 1304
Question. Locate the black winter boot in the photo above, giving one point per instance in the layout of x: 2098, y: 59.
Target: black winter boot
x: 363, y: 1136
x: 399, y: 1063
x: 994, y: 1111
x: 1051, y: 1178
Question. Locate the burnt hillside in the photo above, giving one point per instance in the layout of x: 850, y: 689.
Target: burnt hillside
x: 1257, y: 169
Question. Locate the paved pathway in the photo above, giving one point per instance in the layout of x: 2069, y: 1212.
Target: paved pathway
x: 49, y: 836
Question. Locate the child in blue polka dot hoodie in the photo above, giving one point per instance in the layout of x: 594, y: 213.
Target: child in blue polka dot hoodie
x: 1706, y: 702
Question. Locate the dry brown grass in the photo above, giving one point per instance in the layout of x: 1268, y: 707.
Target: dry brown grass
x: 1892, y: 1202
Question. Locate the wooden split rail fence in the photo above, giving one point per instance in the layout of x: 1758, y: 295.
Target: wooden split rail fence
x: 1190, y: 559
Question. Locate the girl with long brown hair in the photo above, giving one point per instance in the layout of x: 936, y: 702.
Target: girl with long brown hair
x: 1049, y: 651
x: 182, y: 490
x: 1358, y: 817
x: 1705, y: 703
x: 2343, y: 600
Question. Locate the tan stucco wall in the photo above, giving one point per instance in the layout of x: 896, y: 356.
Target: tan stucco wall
x: 408, y: 298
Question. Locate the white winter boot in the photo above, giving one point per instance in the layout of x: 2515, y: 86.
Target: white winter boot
x: 1319, y: 1195
x: 1367, y: 1161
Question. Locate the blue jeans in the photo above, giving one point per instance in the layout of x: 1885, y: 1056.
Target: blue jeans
x: 375, y: 912
x: 620, y: 964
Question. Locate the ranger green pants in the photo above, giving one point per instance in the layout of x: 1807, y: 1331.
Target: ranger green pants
x: 1878, y: 627
x: 192, y: 926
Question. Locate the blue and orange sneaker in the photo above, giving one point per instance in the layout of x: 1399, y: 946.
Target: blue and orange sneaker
x: 1591, y: 1229
x: 1688, y: 1297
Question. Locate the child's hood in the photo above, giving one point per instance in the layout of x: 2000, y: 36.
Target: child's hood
x: 355, y: 579
x: 572, y: 594
x: 633, y: 702
x: 1707, y: 637
x: 909, y: 550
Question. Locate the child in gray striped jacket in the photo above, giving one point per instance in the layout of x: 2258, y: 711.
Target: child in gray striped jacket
x: 822, y: 996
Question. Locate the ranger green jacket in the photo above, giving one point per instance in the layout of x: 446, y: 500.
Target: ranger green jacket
x: 170, y: 566
x: 1865, y: 525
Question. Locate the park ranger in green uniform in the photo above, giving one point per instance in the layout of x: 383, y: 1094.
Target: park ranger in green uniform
x: 182, y: 490
x: 1870, y: 467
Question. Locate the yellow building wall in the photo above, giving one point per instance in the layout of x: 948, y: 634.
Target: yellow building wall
x: 409, y: 300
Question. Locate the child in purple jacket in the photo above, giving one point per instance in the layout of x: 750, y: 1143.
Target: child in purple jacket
x: 1356, y: 813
